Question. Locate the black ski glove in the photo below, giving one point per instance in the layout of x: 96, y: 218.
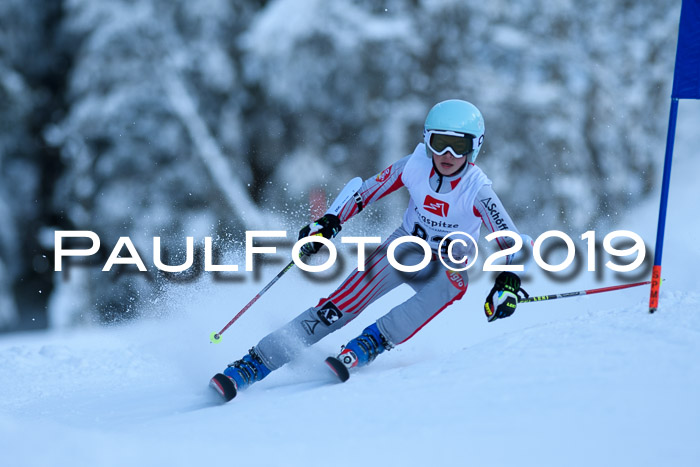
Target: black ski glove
x: 328, y: 226
x: 503, y: 297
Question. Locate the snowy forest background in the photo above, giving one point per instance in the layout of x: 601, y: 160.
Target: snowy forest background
x: 176, y: 118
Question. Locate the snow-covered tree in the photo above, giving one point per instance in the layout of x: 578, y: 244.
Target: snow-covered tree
x: 574, y: 93
x: 152, y: 138
x: 25, y: 97
x: 209, y: 117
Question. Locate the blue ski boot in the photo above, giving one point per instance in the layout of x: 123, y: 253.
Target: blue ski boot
x: 358, y: 352
x: 247, y: 370
x: 239, y: 375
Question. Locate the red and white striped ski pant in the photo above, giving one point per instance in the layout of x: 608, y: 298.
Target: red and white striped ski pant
x: 436, y: 288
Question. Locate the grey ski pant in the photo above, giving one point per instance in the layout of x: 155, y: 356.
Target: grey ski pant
x: 436, y: 288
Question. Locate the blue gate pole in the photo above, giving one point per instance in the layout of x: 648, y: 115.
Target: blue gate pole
x: 656, y: 272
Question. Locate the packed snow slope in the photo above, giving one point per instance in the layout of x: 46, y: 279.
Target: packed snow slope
x: 583, y: 381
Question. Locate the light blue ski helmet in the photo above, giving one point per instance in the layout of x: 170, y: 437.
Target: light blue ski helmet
x: 458, y: 116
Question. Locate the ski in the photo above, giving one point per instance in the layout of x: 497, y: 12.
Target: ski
x: 224, y: 386
x: 338, y: 368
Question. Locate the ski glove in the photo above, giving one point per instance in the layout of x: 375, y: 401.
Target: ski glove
x: 328, y: 226
x: 503, y: 297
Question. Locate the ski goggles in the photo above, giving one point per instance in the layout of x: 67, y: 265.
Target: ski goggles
x: 458, y: 144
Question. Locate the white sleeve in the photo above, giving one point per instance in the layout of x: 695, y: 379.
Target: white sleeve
x: 495, y: 218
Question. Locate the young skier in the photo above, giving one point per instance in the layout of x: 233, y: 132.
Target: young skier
x: 448, y: 193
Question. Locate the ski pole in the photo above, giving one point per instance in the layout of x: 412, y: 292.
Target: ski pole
x: 215, y: 337
x: 349, y: 191
x: 581, y: 292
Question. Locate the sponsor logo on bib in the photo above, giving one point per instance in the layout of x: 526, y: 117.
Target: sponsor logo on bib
x: 435, y: 206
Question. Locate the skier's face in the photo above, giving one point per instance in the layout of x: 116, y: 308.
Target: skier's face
x: 447, y: 164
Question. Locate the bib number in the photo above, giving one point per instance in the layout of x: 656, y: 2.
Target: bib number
x: 420, y: 232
